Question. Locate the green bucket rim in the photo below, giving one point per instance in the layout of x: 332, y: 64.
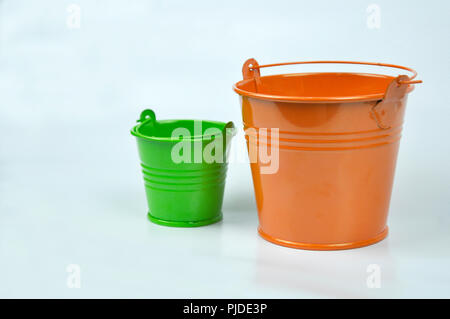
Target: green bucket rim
x: 145, y: 119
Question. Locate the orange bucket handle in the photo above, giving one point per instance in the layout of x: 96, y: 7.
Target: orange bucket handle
x: 251, y: 68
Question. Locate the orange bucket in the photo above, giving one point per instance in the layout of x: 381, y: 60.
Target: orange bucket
x: 337, y: 145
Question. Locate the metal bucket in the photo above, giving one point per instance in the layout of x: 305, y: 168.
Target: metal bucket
x: 338, y: 139
x: 187, y: 191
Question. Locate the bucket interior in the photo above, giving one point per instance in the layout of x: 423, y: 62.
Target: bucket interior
x: 164, y: 129
x: 318, y: 85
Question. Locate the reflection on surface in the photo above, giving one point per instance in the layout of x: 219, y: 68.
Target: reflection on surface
x: 324, y: 274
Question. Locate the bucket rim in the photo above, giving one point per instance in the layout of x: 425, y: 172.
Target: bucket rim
x: 314, y: 99
x: 226, y: 125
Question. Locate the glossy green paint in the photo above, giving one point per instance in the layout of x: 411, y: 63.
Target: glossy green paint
x: 188, y: 193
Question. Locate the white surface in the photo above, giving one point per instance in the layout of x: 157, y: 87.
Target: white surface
x: 70, y: 187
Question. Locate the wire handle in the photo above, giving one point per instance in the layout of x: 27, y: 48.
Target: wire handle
x: 384, y: 111
x: 251, y: 68
x: 147, y: 115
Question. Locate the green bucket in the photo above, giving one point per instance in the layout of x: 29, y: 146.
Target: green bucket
x: 184, y: 163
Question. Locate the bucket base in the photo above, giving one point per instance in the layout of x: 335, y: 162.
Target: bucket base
x: 172, y: 223
x: 308, y: 246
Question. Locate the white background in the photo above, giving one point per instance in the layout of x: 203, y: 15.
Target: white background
x: 71, y: 191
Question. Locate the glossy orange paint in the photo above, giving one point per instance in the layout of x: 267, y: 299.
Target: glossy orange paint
x: 339, y: 136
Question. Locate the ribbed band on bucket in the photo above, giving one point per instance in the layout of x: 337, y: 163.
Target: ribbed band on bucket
x: 327, y: 141
x: 184, y: 180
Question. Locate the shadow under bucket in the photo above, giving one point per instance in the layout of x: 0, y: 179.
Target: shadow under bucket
x: 184, y: 163
x: 338, y: 138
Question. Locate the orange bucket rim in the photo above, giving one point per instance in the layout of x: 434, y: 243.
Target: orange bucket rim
x: 251, y: 72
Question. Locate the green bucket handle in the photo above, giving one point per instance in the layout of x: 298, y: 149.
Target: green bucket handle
x: 229, y: 127
x: 147, y: 116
